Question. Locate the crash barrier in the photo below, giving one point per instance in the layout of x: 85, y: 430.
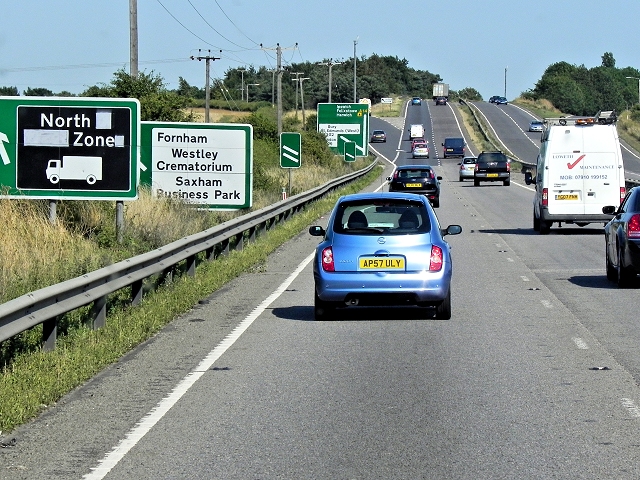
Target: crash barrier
x: 47, y: 305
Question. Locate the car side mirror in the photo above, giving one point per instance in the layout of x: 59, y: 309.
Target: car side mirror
x: 528, y: 178
x: 609, y: 210
x: 317, y: 231
x: 388, y: 179
x: 451, y: 230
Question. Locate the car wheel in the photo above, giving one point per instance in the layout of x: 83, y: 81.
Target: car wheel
x: 476, y: 183
x: 506, y: 183
x: 545, y: 227
x: 624, y: 275
x: 436, y: 203
x: 612, y: 273
x: 443, y: 311
x: 323, y: 310
x: 536, y: 223
x: 461, y: 179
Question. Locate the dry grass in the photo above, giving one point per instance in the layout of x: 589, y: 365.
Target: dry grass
x: 389, y: 109
x: 216, y: 115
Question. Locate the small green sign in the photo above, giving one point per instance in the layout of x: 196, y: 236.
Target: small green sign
x: 290, y: 150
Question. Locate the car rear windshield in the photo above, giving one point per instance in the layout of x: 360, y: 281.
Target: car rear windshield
x: 388, y: 216
x: 469, y: 160
x: 492, y: 157
x: 415, y: 173
x: 378, y: 132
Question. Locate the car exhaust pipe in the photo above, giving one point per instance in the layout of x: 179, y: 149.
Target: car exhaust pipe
x: 352, y: 303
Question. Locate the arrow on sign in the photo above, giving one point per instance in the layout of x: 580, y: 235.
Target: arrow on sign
x: 3, y: 152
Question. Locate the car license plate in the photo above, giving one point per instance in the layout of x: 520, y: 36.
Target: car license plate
x: 381, y: 263
x: 413, y: 185
x: 567, y: 197
x: 492, y: 174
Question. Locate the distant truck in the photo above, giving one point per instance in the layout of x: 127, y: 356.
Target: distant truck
x: 75, y: 168
x: 441, y: 90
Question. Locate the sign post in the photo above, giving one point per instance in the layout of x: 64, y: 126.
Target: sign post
x: 345, y: 122
x: 69, y: 148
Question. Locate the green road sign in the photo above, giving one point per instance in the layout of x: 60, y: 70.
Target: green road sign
x: 69, y: 148
x: 345, y: 122
x: 349, y: 151
x: 290, y: 150
x: 207, y: 164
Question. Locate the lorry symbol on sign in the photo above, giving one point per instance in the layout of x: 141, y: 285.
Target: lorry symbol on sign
x: 75, y: 168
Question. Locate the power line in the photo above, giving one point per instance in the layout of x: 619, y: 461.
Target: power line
x: 232, y: 23
x: 87, y: 65
x: 210, y: 26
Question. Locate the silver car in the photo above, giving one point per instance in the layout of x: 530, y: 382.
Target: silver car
x: 383, y: 249
x: 467, y: 167
x: 535, y: 126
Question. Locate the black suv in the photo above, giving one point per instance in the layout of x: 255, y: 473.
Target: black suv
x: 492, y: 167
x: 419, y: 179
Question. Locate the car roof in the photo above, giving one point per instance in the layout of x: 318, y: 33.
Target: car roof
x: 414, y: 167
x: 378, y: 131
x: 383, y: 196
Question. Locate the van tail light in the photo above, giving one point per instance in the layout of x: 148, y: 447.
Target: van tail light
x: 633, y: 226
x: 327, y: 260
x: 435, y: 263
x: 623, y: 192
x: 545, y: 197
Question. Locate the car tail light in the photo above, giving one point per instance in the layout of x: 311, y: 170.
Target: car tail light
x: 476, y: 167
x: 545, y: 197
x: 327, y: 260
x: 462, y: 166
x: 432, y: 175
x: 395, y: 175
x: 633, y: 226
x: 435, y: 263
x: 623, y: 192
x: 508, y: 166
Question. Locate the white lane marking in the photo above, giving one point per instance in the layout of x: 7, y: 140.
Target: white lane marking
x: 510, y: 259
x: 631, y: 407
x: 546, y: 303
x: 524, y: 278
x: 154, y: 416
x: 581, y: 344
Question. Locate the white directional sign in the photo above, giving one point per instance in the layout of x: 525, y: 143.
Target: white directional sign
x: 69, y: 148
x: 208, y: 164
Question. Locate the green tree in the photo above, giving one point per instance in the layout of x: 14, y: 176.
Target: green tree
x: 156, y: 102
x: 9, y: 91
x: 608, y: 61
x: 38, y: 92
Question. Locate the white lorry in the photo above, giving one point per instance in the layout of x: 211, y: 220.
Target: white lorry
x: 73, y: 167
x: 441, y: 90
x: 579, y: 170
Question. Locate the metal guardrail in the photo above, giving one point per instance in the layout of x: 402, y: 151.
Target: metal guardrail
x: 46, y: 305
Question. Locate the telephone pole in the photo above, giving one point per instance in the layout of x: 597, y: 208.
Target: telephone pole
x: 302, y: 79
x: 133, y: 38
x: 207, y: 58
x: 330, y: 64
x: 278, y: 50
x: 297, y: 74
x: 355, y: 97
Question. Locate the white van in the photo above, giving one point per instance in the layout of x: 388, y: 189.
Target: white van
x: 579, y: 170
x: 416, y: 131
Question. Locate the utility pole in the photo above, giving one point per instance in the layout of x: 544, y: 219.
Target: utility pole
x: 297, y: 74
x: 330, y: 64
x: 505, y: 82
x: 133, y: 38
x: 242, y: 70
x: 304, y: 124
x: 355, y: 96
x: 279, y: 87
x: 207, y: 88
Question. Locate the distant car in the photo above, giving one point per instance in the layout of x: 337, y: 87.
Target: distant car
x: 382, y: 249
x: 500, y: 101
x: 420, y: 150
x: 453, y: 147
x: 416, y: 101
x: 419, y: 179
x: 622, y: 240
x: 493, y: 99
x: 535, y: 126
x: 467, y: 167
x: 441, y: 100
x: 416, y: 141
x: 378, y: 136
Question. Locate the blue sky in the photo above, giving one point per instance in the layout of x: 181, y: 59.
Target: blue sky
x: 72, y: 44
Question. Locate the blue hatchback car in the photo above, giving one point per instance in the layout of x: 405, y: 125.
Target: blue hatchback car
x: 383, y: 249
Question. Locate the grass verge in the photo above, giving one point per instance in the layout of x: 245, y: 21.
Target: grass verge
x: 36, y: 380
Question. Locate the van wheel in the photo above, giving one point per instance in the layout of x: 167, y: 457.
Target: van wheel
x: 545, y: 227
x: 612, y: 273
x: 536, y: 223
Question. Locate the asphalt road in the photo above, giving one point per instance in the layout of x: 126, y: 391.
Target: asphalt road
x: 535, y: 375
